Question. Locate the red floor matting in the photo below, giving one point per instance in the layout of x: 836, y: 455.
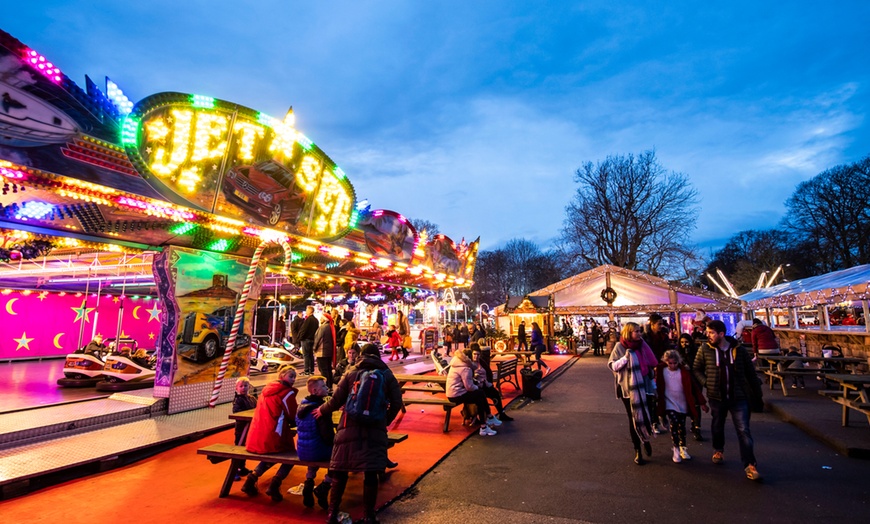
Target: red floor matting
x: 181, y: 486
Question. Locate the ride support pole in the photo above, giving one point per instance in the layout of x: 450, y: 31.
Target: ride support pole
x: 240, y: 311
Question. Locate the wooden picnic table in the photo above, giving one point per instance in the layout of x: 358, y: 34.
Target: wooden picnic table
x: 853, y: 395
x: 778, y: 367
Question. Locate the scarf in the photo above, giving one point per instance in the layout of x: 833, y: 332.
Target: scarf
x: 637, y: 395
x: 640, y: 348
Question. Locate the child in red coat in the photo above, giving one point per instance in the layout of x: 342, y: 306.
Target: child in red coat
x: 678, y: 395
x: 395, y: 342
x: 271, y: 430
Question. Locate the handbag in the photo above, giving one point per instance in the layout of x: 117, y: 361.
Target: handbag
x: 406, y: 342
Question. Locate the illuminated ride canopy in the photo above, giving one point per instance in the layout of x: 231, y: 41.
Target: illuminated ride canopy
x: 197, y: 172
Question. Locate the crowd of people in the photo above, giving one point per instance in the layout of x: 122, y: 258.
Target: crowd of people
x: 662, y: 384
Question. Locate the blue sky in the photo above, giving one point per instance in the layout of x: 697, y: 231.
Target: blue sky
x: 475, y: 115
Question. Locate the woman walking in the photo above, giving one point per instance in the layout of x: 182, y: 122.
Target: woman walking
x: 538, y: 345
x: 633, y: 364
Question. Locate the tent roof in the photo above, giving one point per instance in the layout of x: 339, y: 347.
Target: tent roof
x: 846, y: 285
x: 635, y: 292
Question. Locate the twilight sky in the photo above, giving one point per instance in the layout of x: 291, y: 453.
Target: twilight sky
x: 475, y: 115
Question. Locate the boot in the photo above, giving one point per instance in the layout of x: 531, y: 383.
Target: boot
x: 638, y: 458
x: 250, y: 486
x: 322, y: 494
x: 308, y: 493
x: 274, y: 490
x: 677, y: 457
x: 684, y: 453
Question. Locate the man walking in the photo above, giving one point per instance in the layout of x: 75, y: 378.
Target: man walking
x: 727, y: 371
x: 522, y: 344
x: 306, y: 338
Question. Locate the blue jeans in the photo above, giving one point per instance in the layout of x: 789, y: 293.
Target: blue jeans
x: 740, y: 416
x: 308, y: 356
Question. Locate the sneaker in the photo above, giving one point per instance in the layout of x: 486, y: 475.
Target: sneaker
x: 677, y: 457
x: 794, y: 386
x: 492, y: 421
x: 486, y: 431
x: 684, y: 453
x: 718, y: 457
x: 752, y: 473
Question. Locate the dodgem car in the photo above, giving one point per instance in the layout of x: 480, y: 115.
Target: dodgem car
x: 267, y: 190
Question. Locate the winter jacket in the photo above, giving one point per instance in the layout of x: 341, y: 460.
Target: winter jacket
x: 621, y: 375
x: 351, y: 337
x: 477, y: 335
x: 361, y: 447
x: 694, y: 397
x: 242, y: 403
x: 521, y: 333
x: 657, y: 342
x: 324, y: 343
x: 314, y: 437
x: 763, y: 338
x: 463, y: 334
x: 537, y: 337
x: 273, y: 420
x: 404, y: 327
x: 460, y: 378
x: 745, y: 381
x: 296, y: 329
x: 309, y: 328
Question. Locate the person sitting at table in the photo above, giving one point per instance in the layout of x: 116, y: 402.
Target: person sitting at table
x: 461, y: 389
x: 484, y: 380
x: 797, y: 364
x: 271, y: 430
x: 763, y: 339
x: 314, y: 440
x: 242, y: 401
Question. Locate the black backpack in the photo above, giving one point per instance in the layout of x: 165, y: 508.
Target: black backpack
x: 367, y: 401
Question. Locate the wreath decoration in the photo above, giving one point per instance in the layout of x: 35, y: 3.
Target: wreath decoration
x: 608, y: 295
x: 500, y: 346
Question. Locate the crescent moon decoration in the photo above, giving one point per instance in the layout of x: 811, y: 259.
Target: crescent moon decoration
x: 57, y: 340
x: 136, y: 312
x: 9, y: 306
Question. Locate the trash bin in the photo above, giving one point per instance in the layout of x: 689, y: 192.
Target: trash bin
x: 532, y: 383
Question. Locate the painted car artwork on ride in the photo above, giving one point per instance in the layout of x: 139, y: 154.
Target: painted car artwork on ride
x: 388, y: 234
x: 227, y: 159
x: 266, y: 190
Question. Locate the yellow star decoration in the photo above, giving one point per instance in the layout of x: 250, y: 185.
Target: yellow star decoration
x: 23, y: 342
x: 82, y: 312
x: 115, y: 299
x: 124, y: 335
x: 150, y: 336
x: 154, y: 313
x: 42, y: 296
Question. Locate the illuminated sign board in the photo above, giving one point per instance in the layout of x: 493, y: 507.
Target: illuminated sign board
x: 230, y: 160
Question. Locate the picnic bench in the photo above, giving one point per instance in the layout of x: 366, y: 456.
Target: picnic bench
x: 524, y: 356
x: 429, y: 384
x: 778, y: 367
x: 237, y: 455
x: 852, y: 395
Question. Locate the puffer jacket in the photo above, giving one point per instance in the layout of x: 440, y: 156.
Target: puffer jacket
x: 708, y: 373
x: 362, y: 447
x: 314, y: 437
x: 460, y: 378
x: 324, y: 341
x: 273, y: 419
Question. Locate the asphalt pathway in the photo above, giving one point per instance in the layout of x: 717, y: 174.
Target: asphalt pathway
x: 568, y: 458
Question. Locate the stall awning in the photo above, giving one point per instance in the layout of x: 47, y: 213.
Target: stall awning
x: 846, y: 285
x: 635, y: 292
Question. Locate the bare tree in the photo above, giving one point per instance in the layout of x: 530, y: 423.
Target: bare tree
x: 748, y: 254
x: 630, y: 212
x: 424, y: 225
x: 831, y: 212
x: 516, y: 269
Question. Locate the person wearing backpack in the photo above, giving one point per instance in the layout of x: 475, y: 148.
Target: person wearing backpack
x: 361, y: 438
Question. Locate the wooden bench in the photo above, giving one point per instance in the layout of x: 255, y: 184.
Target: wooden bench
x: 237, y: 455
x: 506, y: 371
x: 433, y: 401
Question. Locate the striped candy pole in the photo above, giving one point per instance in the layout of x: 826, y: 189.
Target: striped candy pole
x: 240, y: 311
